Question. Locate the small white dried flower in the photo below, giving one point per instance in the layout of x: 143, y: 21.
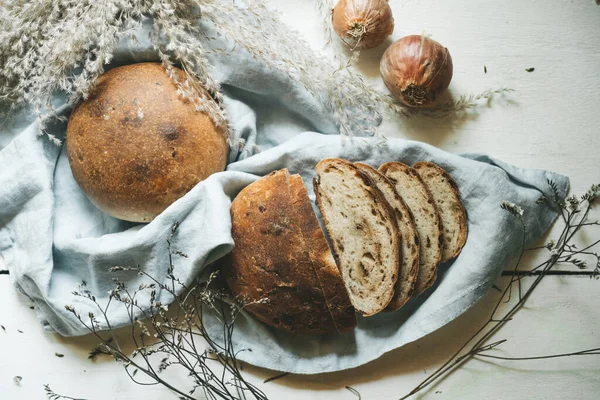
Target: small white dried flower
x: 573, y: 203
x: 143, y: 328
x: 512, y: 208
x: 592, y: 194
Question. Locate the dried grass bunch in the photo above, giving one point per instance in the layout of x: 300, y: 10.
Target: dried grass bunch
x: 50, y: 47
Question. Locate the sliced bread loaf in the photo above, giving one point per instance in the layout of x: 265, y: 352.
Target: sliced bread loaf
x: 270, y: 268
x: 336, y: 296
x: 417, y: 197
x: 450, y: 208
x: 363, y: 233
x: 409, y: 243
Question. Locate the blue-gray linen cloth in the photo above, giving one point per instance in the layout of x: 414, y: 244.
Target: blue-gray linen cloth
x: 52, y: 237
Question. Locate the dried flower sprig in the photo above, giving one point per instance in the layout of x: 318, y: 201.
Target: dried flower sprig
x: 51, y: 395
x: 325, y: 9
x: 574, y: 213
x: 100, y: 349
x: 459, y: 105
x: 178, y: 337
x: 512, y: 208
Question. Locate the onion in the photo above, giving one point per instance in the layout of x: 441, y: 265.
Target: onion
x: 362, y: 24
x: 416, y: 70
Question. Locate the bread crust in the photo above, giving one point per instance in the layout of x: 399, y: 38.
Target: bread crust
x: 269, y: 268
x: 427, y: 273
x: 135, y: 146
x: 377, y: 198
x: 458, y: 207
x: 330, y: 280
x: 409, y: 246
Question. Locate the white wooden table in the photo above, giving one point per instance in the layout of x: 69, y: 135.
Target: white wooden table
x: 551, y: 121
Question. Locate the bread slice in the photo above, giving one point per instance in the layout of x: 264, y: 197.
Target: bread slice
x: 450, y: 208
x: 409, y: 243
x: 330, y: 280
x: 417, y: 197
x: 363, y: 233
x: 270, y: 268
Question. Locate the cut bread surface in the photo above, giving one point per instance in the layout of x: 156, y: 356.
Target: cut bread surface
x: 363, y: 233
x: 409, y: 243
x: 270, y: 268
x: 449, y: 205
x: 416, y: 195
x: 330, y: 280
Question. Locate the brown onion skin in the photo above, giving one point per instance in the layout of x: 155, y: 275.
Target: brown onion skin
x: 416, y: 70
x: 374, y: 15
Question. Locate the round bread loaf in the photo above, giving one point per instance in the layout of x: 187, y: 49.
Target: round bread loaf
x: 280, y: 262
x: 135, y: 145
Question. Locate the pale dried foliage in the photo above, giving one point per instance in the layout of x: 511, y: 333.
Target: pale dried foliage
x: 63, y: 46
x: 325, y: 9
x: 50, y: 47
x: 459, y: 105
